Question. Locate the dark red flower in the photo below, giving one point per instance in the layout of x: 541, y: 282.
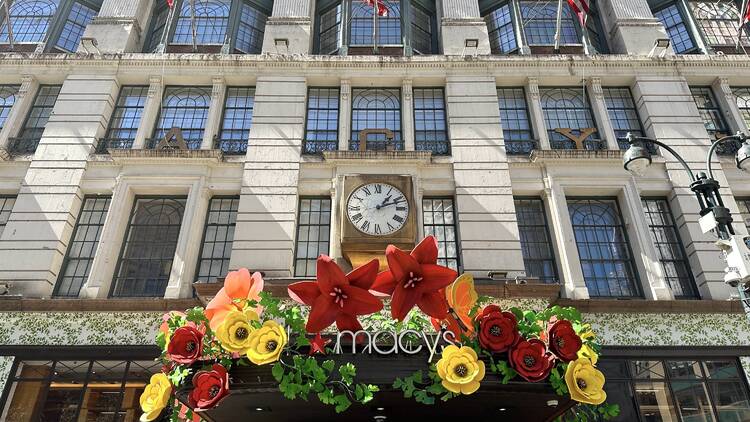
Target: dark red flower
x: 185, y: 345
x: 209, y: 388
x: 337, y: 297
x: 531, y: 359
x: 498, y: 330
x: 563, y: 340
x: 415, y: 279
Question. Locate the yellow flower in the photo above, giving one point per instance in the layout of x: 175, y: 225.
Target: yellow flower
x: 155, y: 397
x: 460, y: 369
x: 586, y: 352
x: 585, y: 383
x: 587, y: 333
x: 266, y: 343
x: 234, y: 332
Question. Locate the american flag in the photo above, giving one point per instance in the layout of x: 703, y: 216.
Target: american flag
x: 581, y: 8
x: 744, y: 19
x: 170, y: 3
x: 382, y: 9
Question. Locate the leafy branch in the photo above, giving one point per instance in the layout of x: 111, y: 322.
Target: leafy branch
x: 586, y: 412
x: 424, y: 390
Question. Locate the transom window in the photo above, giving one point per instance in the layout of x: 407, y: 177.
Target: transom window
x: 148, y: 248
x: 82, y: 247
x: 218, y: 235
x: 536, y: 244
x: 744, y: 204
x: 6, y: 206
x: 718, y: 20
x: 622, y: 114
x: 669, y: 247
x: 238, y: 118
x: 540, y: 23
x: 677, y: 389
x: 7, y: 99
x: 672, y: 18
x: 78, y: 390
x: 514, y: 118
x: 229, y: 25
x: 500, y: 29
x: 713, y: 119
x: 430, y: 130
x: 39, y: 21
x: 36, y: 120
x: 313, y: 234
x: 126, y: 118
x: 185, y: 108
x: 568, y: 108
x: 439, y: 220
x: 322, y: 124
x: 603, y: 247
x: 376, y: 108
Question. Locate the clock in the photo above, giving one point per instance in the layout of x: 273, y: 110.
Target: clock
x: 377, y: 209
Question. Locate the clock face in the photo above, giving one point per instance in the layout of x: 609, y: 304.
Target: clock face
x: 377, y: 209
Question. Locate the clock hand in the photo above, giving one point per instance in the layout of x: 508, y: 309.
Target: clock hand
x: 377, y: 207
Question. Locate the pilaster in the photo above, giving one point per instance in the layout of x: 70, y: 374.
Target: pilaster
x: 461, y: 21
x: 345, y: 114
x: 17, y: 115
x: 215, y: 111
x: 150, y: 112
x: 632, y: 27
x: 728, y: 104
x: 536, y: 114
x: 290, y: 21
x: 599, y: 108
x: 407, y: 114
x: 120, y: 26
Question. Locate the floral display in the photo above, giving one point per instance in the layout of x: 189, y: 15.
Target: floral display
x: 245, y: 326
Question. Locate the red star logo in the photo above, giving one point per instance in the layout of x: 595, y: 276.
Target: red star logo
x: 318, y: 345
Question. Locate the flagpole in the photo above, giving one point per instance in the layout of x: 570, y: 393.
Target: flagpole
x: 375, y: 26
x: 558, y: 25
x: 192, y: 24
x: 743, y: 16
x: 6, y: 5
x: 585, y: 35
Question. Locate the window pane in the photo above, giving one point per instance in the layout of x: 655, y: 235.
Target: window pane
x: 329, y: 36
x: 251, y: 29
x: 218, y: 235
x: 211, y: 21
x: 126, y: 118
x: 622, y: 114
x: 568, y: 108
x: 6, y: 205
x: 655, y: 402
x: 376, y: 108
x: 322, y: 124
x: 185, y: 108
x: 536, y: 245
x: 82, y: 246
x: 157, y: 27
x: 540, y: 23
x: 709, y: 110
x: 313, y: 234
x: 72, y: 31
x: 744, y: 205
x: 389, y: 27
x: 29, y: 20
x: 149, y: 247
x: 500, y: 28
x: 430, y: 130
x: 7, y: 99
x: 731, y: 401
x: 238, y: 118
x: 421, y: 29
x: 37, y: 118
x: 718, y: 22
x: 679, y: 35
x: 692, y: 401
x: 438, y: 216
x: 606, y: 260
x: 514, y: 118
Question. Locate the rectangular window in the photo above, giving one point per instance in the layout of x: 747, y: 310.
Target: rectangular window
x: 329, y: 38
x: 159, y: 22
x: 430, y: 131
x: 536, y: 244
x: 376, y: 108
x: 72, y: 31
x: 238, y: 118
x: 251, y: 29
x: 743, y: 203
x: 687, y: 389
x: 669, y: 247
x: 603, y: 247
x: 709, y: 110
x: 322, y: 124
x: 671, y: 17
x: 126, y: 117
x: 439, y: 220
x: 6, y: 206
x: 218, y: 235
x: 185, y: 108
x: 717, y: 20
x: 622, y: 113
x: 540, y: 23
x: 7, y: 99
x: 78, y: 390
x: 568, y: 108
x: 514, y: 118
x: 148, y: 248
x: 421, y: 29
x: 36, y: 120
x: 82, y: 247
x: 313, y: 234
x: 500, y: 28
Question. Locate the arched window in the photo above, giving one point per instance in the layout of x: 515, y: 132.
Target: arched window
x: 7, y: 99
x: 29, y: 20
x: 376, y: 108
x: 742, y: 96
x: 185, y: 108
x: 211, y: 18
x: 567, y: 108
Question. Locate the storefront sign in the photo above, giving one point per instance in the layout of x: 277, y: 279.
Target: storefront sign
x: 409, y: 342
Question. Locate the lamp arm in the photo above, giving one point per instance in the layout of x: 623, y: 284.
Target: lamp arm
x: 633, y: 138
x: 739, y: 137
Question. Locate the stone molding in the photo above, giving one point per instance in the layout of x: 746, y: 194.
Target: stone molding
x: 463, y: 22
x: 288, y: 20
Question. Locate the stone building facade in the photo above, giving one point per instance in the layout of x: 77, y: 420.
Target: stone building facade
x: 97, y: 221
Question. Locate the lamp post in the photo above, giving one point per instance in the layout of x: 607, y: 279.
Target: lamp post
x: 714, y: 215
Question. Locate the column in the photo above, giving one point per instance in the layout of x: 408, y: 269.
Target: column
x: 15, y: 120
x: 150, y: 112
x: 215, y: 112
x: 461, y: 21
x: 120, y: 26
x: 407, y: 115
x: 36, y: 238
x: 728, y: 104
x: 536, y: 114
x: 604, y: 127
x: 488, y: 233
x: 290, y: 21
x: 264, y: 235
x: 632, y: 26
x: 345, y: 114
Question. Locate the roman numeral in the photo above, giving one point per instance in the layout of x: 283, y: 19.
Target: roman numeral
x: 357, y: 198
x: 391, y: 228
x: 365, y: 226
x: 389, y: 190
x: 400, y: 208
x: 353, y: 208
x: 398, y: 199
x: 377, y: 229
x: 356, y: 218
x: 378, y: 188
x: 398, y: 218
x: 366, y: 191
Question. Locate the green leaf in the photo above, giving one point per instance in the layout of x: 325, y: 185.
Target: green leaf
x: 277, y: 371
x: 342, y: 402
x: 328, y: 365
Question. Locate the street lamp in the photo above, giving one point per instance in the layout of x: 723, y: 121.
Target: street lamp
x: 714, y: 215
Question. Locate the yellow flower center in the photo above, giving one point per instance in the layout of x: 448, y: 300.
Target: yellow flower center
x: 271, y: 345
x: 241, y: 333
x: 581, y: 383
x: 529, y: 361
x: 461, y: 370
x: 496, y: 330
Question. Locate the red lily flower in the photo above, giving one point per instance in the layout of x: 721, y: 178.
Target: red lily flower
x: 415, y: 279
x: 337, y: 297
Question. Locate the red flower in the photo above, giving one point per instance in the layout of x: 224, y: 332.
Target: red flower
x: 185, y: 345
x: 531, y: 360
x: 415, y: 279
x: 209, y: 388
x: 498, y: 330
x: 336, y: 296
x: 563, y: 340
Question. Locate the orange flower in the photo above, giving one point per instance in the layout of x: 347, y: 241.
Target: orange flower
x: 237, y: 285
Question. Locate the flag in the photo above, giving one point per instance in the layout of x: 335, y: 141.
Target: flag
x: 382, y: 9
x: 744, y: 19
x: 581, y: 9
x: 170, y: 3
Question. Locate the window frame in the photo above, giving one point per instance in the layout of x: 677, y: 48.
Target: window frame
x: 333, y: 145
x: 298, y: 225
x: 697, y: 26
x: 206, y: 224
x: 242, y: 148
x: 398, y: 141
x: 552, y: 244
x: 520, y: 146
x: 436, y: 149
x: 26, y: 141
x: 514, y: 23
x: 457, y: 240
x: 686, y: 20
x: 595, y: 141
x: 13, y: 90
x: 4, y: 199
x: 193, y: 144
x: 108, y: 141
x: 712, y: 133
x: 641, y: 132
x: 744, y: 201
